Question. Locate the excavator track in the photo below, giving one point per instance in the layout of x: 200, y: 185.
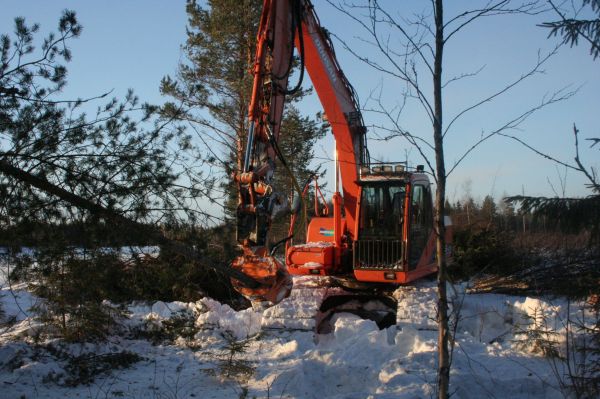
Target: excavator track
x: 379, y: 308
x: 314, y: 302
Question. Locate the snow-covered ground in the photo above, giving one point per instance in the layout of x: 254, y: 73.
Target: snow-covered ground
x: 275, y: 353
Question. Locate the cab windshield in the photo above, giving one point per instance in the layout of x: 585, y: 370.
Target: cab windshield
x: 381, y: 211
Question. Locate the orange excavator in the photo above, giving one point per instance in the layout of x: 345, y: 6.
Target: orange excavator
x: 381, y: 227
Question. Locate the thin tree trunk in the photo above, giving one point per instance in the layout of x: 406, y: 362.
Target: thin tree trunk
x: 468, y: 214
x: 443, y: 330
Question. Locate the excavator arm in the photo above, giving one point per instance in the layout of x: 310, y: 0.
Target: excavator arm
x: 272, y: 66
x: 286, y: 24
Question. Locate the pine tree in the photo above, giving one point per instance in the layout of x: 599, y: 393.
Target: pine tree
x: 212, y: 87
x: 488, y: 211
x: 212, y: 91
x: 61, y: 167
x: 118, y: 158
x: 574, y: 28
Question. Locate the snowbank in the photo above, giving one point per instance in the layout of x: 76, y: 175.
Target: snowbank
x: 278, y: 354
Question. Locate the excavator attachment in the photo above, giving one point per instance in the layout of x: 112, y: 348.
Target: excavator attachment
x: 275, y: 281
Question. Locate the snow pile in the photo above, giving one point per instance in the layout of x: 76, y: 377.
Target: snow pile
x: 417, y: 307
x: 157, y: 310
x: 240, y: 325
x: 300, y: 311
x: 210, y: 316
x: 275, y: 352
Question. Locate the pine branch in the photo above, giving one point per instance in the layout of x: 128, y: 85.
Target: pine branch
x: 115, y: 217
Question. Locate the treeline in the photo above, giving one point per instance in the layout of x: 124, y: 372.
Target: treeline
x: 502, y: 215
x: 495, y: 237
x: 83, y: 234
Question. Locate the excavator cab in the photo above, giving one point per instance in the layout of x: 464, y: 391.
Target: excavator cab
x: 394, y: 242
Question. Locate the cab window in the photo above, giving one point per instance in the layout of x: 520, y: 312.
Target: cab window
x: 381, y: 211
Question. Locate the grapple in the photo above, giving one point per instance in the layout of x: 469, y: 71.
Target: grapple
x: 275, y: 281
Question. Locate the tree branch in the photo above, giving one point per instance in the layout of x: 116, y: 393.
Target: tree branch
x: 112, y: 215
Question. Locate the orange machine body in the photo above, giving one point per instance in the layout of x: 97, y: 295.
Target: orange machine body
x: 381, y: 227
x: 319, y: 255
x: 400, y: 259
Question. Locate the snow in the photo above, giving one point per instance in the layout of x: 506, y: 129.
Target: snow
x: 312, y: 265
x: 284, y: 357
x: 241, y: 325
x: 315, y: 244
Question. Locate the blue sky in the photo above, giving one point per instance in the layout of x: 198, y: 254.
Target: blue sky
x: 133, y: 44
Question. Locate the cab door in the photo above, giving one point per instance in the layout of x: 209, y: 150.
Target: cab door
x: 421, y: 222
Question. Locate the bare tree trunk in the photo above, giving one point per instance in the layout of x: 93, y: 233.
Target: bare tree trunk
x: 415, y: 53
x: 443, y: 330
x: 468, y: 213
x: 523, y: 216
